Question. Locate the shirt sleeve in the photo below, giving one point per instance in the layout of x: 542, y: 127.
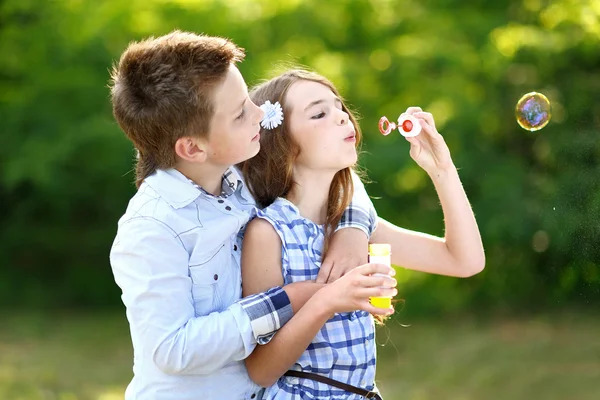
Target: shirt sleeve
x: 360, y: 213
x: 150, y: 265
x: 268, y: 312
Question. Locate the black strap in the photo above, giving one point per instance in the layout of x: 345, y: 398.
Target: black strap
x: 332, y: 382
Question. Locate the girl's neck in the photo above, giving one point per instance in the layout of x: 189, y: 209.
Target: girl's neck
x: 311, y: 194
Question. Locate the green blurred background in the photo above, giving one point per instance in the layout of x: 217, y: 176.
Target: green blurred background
x: 526, y: 327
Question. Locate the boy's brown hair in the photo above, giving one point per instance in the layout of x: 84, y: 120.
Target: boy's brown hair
x: 162, y: 90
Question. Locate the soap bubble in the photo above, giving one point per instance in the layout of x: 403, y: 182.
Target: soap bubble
x: 533, y: 111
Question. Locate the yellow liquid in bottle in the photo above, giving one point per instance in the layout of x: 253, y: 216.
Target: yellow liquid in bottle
x: 380, y: 253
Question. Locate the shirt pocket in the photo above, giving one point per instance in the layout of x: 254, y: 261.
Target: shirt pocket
x: 204, y: 272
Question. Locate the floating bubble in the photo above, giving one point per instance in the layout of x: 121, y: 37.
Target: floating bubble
x: 533, y: 111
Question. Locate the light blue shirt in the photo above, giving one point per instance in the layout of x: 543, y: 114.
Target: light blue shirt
x: 176, y: 258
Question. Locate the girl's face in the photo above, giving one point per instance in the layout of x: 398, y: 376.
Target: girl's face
x: 321, y: 128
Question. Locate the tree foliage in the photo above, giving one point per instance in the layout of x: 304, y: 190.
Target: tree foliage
x: 66, y: 169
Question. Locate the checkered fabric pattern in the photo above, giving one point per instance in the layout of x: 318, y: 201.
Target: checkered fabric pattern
x: 344, y: 349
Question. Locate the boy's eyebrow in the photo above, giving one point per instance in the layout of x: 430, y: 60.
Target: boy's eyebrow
x: 316, y: 102
x: 241, y: 105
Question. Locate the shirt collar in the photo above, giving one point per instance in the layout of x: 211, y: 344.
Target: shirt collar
x: 179, y: 191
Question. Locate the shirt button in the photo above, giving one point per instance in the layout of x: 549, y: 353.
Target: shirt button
x: 216, y: 277
x: 221, y: 201
x: 228, y: 208
x: 234, y: 247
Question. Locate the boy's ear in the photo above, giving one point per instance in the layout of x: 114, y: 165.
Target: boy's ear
x: 191, y: 149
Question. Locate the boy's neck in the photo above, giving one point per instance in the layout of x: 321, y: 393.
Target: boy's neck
x: 209, y: 178
x: 311, y: 194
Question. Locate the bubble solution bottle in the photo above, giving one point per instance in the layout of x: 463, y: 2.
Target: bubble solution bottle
x: 380, y: 253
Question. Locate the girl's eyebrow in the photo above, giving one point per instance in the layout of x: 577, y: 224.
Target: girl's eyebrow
x: 320, y: 101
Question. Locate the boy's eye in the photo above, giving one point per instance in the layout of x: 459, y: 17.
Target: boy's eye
x: 319, y: 115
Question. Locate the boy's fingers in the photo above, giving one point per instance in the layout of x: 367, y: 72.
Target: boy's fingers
x: 324, y: 271
x: 335, y: 273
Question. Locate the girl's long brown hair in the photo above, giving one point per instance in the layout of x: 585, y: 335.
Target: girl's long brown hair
x: 269, y: 173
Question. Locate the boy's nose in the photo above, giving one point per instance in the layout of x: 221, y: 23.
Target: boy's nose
x: 259, y: 113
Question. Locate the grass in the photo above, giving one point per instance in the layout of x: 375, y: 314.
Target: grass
x: 548, y: 358
x: 88, y: 356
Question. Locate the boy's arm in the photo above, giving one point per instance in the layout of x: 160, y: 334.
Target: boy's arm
x: 151, y: 267
x: 349, y: 247
x: 361, y: 213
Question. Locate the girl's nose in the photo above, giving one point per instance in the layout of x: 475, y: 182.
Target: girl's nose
x: 344, y: 118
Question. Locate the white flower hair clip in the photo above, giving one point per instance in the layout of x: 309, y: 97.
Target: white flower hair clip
x: 273, y: 115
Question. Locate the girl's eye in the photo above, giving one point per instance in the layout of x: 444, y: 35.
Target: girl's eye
x: 241, y: 115
x: 319, y: 115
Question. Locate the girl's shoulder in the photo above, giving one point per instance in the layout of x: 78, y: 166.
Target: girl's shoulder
x: 280, y: 212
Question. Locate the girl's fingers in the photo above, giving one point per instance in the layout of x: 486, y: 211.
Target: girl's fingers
x: 429, y: 129
x: 415, y: 142
x: 413, y: 110
x: 368, y: 307
x: 376, y: 281
x: 425, y: 116
x: 366, y: 293
x: 373, y: 268
x: 415, y: 147
x: 412, y: 139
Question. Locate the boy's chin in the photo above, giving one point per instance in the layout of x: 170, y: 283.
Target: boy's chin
x: 255, y: 150
x: 252, y: 151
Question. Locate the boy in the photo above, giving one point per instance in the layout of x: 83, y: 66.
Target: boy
x: 183, y: 103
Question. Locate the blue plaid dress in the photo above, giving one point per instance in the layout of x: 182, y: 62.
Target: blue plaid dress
x: 344, y: 349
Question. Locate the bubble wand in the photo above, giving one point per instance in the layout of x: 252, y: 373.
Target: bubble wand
x: 407, y: 125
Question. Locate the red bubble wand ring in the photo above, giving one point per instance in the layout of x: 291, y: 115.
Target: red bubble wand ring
x: 407, y: 125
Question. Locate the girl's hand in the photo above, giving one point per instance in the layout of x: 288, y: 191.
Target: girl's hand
x: 352, y: 291
x: 429, y: 149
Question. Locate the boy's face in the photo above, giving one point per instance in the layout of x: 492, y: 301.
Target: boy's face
x: 233, y: 135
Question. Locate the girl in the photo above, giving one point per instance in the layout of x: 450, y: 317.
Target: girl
x: 303, y: 177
